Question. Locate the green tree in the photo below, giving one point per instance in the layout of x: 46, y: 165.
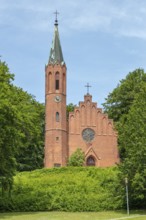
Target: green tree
x: 31, y: 153
x: 77, y: 159
x: 132, y: 135
x: 21, y: 130
x: 127, y: 106
x: 9, y: 135
x: 119, y: 101
x: 70, y: 108
x: 30, y: 125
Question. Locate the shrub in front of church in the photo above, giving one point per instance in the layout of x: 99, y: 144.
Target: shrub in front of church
x: 77, y: 159
x: 65, y: 189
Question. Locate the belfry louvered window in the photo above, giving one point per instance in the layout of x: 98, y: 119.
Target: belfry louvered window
x: 57, y: 81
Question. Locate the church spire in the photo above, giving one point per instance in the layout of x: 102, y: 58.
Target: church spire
x: 56, y: 56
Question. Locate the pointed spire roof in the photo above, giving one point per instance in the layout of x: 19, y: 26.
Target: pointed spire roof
x: 56, y: 56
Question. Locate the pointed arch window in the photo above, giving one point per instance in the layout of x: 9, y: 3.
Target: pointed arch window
x: 90, y: 161
x: 63, y: 82
x: 57, y: 117
x: 49, y: 81
x: 57, y: 81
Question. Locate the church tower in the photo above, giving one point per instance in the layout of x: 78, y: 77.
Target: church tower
x: 55, y: 113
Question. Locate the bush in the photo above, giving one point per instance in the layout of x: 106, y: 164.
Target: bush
x: 65, y: 189
x: 77, y: 159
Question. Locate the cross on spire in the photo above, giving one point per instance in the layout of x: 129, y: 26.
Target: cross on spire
x: 56, y: 14
x: 88, y: 86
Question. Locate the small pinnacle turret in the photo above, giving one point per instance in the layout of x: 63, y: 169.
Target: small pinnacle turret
x: 56, y: 56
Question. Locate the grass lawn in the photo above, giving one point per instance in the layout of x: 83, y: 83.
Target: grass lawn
x: 73, y: 216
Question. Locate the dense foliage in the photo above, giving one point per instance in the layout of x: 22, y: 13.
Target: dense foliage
x: 69, y: 108
x: 77, y: 159
x: 9, y: 135
x: 127, y: 106
x: 119, y: 101
x: 65, y: 189
x: 132, y: 135
x: 70, y: 189
x: 21, y: 130
x: 30, y: 155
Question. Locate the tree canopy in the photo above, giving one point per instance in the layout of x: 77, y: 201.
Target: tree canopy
x: 119, y: 101
x: 127, y: 106
x: 69, y: 108
x: 21, y: 128
x: 132, y: 136
x: 77, y: 159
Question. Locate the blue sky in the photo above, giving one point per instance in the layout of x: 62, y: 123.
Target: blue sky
x: 102, y: 41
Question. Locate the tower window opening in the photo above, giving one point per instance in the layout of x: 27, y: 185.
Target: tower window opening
x: 57, y: 138
x: 57, y: 81
x: 63, y: 82
x: 57, y: 116
x: 49, y: 81
x: 57, y: 84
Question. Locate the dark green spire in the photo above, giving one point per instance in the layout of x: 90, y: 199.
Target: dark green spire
x: 56, y: 56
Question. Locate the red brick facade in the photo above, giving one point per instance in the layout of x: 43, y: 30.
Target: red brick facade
x: 100, y: 146
x: 55, y: 118
x: 87, y: 127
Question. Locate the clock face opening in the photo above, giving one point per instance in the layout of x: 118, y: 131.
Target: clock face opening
x: 88, y: 134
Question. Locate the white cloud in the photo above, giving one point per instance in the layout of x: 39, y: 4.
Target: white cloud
x: 22, y: 23
x: 126, y: 18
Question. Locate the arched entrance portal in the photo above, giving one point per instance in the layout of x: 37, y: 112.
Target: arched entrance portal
x: 90, y: 161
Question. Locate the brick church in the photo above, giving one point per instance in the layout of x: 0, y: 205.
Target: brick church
x: 87, y: 127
